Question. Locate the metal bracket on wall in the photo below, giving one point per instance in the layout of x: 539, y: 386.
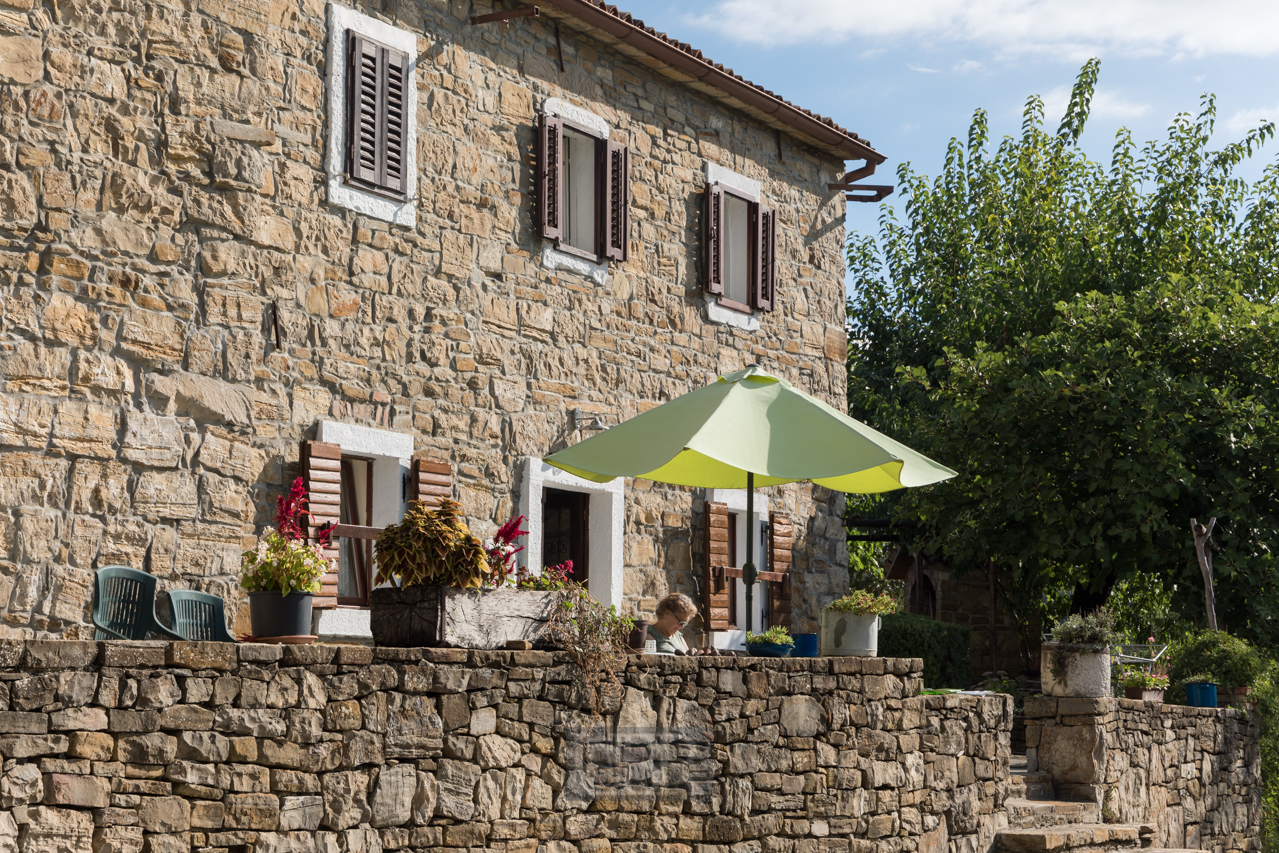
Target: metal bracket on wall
x: 526, y: 12
x: 877, y: 192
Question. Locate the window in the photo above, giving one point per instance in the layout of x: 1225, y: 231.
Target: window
x: 741, y: 249
x: 377, y: 78
x: 583, y: 190
x: 355, y: 556
x: 565, y: 531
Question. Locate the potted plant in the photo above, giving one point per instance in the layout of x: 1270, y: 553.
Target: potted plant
x: 776, y: 642
x: 1139, y: 684
x: 1201, y: 690
x: 1230, y: 662
x: 850, y: 626
x: 282, y: 574
x: 1077, y: 661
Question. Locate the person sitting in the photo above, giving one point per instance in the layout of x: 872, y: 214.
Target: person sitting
x: 673, y: 613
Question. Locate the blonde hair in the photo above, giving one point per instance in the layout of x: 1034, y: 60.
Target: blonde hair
x: 679, y: 604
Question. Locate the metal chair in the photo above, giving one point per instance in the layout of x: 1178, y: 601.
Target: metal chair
x: 124, y: 605
x: 199, y: 616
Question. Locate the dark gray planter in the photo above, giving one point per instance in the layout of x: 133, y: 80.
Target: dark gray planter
x: 275, y: 615
x: 427, y: 616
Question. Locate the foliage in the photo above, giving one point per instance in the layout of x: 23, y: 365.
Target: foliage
x: 1142, y: 605
x: 1002, y: 682
x: 551, y: 578
x: 431, y: 546
x: 595, y: 638
x: 1095, y: 630
x: 861, y: 601
x: 1230, y: 661
x: 501, y: 551
x: 777, y: 635
x: 283, y: 565
x: 865, y: 559
x: 943, y: 646
x: 1137, y: 677
x: 1266, y: 694
x: 1092, y: 349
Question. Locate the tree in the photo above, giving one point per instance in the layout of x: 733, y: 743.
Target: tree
x: 1091, y: 349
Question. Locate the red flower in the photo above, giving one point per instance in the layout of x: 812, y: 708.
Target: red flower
x: 290, y: 517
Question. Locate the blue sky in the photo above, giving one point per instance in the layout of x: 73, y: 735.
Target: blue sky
x: 908, y: 75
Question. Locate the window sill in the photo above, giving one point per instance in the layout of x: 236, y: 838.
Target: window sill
x: 739, y: 307
x: 591, y: 257
x: 730, y: 315
x: 576, y: 261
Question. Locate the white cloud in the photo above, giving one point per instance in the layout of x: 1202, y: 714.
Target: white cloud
x: 967, y: 66
x: 1245, y: 120
x: 1073, y: 30
x: 1106, y: 104
x: 922, y: 70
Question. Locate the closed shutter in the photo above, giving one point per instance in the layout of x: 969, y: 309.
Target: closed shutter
x: 377, y: 121
x: 712, y: 242
x: 715, y: 585
x: 432, y: 481
x: 780, y: 537
x: 321, y: 467
x: 615, y: 218
x: 549, y: 174
x: 765, y: 285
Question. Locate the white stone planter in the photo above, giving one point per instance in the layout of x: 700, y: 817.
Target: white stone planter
x: 1075, y: 671
x: 849, y: 634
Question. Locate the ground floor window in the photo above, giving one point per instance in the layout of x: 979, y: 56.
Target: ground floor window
x: 566, y: 531
x: 355, y: 556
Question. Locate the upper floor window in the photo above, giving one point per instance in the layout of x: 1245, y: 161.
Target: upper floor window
x: 583, y: 190
x: 740, y: 242
x: 377, y: 80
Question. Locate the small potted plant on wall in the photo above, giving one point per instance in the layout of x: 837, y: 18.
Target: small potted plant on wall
x: 850, y: 626
x: 1077, y: 661
x: 776, y: 642
x: 282, y: 574
x: 1139, y: 684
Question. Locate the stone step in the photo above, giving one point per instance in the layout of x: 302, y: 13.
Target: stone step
x: 1031, y: 786
x: 1027, y: 813
x: 1075, y: 837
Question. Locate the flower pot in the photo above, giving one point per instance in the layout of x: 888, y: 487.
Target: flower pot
x: 806, y: 645
x: 639, y: 635
x: 1146, y: 694
x: 1075, y: 671
x: 428, y: 616
x: 848, y: 634
x: 275, y: 615
x: 768, y: 650
x: 1201, y: 695
x: 1228, y: 696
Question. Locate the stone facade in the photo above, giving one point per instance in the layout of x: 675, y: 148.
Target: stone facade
x: 1193, y: 774
x: 346, y: 749
x: 163, y: 217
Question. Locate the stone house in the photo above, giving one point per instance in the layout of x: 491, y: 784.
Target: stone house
x: 401, y: 250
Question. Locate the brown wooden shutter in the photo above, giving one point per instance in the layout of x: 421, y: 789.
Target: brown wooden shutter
x: 615, y: 218
x: 377, y: 123
x: 432, y: 481
x: 550, y: 163
x: 713, y: 245
x: 715, y: 585
x: 765, y: 285
x: 321, y: 467
x: 780, y: 536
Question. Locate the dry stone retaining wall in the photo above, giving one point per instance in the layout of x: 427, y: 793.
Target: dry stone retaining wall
x: 124, y: 747
x: 1192, y: 773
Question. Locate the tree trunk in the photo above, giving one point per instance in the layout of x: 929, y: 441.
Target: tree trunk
x: 1203, y: 550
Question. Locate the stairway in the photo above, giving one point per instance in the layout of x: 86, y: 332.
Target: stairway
x: 1038, y: 823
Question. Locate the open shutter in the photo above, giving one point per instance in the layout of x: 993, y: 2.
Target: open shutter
x: 321, y: 466
x: 715, y: 585
x: 549, y: 183
x: 615, y: 218
x: 376, y: 120
x: 712, y: 242
x: 397, y: 122
x: 432, y: 481
x: 765, y: 285
x: 780, y: 536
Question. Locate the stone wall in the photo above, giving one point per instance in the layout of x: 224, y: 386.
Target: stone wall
x: 163, y: 212
x: 120, y: 747
x: 1192, y: 773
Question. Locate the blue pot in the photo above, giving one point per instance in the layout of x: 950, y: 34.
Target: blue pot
x: 769, y: 650
x: 1201, y: 695
x: 805, y: 646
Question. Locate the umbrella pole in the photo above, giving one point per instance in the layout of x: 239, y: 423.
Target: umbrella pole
x: 749, y: 575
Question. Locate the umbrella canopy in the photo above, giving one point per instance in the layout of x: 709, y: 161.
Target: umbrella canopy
x: 750, y: 429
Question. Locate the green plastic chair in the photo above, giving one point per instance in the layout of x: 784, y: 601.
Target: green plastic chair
x: 124, y: 606
x: 199, y: 616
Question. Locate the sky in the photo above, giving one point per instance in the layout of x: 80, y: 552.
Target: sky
x: 908, y: 74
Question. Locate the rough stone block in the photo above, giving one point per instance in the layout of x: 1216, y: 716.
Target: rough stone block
x: 86, y: 792
x: 132, y: 654
x: 251, y: 811
x: 164, y: 814
x: 57, y: 830
x: 155, y: 748
x: 202, y: 655
x: 29, y: 746
x: 59, y: 654
x: 96, y: 746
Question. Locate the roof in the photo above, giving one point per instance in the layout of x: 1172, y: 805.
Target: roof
x: 686, y: 64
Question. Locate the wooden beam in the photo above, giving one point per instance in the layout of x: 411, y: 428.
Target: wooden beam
x: 526, y: 12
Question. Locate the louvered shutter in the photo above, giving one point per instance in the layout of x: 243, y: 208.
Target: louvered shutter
x: 615, y: 218
x: 765, y: 284
x: 715, y: 585
x: 377, y: 121
x: 321, y: 467
x: 432, y: 481
x: 712, y: 242
x: 780, y: 537
x: 550, y: 164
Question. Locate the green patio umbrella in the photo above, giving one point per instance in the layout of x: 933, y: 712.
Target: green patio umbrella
x: 745, y: 430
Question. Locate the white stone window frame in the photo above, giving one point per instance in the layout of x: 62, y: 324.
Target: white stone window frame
x: 392, y: 459
x: 607, y: 518
x: 751, y: 190
x: 735, y: 500
x: 342, y: 194
x: 553, y: 257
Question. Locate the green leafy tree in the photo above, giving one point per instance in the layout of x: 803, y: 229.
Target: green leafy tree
x: 1092, y: 349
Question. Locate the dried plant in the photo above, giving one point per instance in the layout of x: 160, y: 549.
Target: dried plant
x: 595, y: 638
